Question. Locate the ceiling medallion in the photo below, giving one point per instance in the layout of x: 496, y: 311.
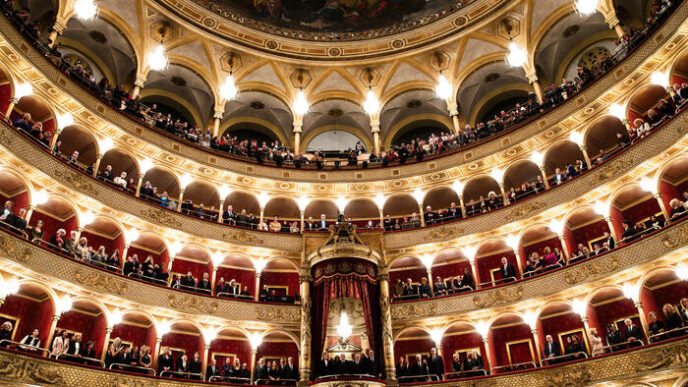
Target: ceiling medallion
x: 257, y: 105
x: 413, y: 104
x: 271, y: 45
x: 209, y: 22
x: 397, y: 44
x: 98, y: 36
x: 178, y: 81
x: 334, y: 51
x: 570, y: 31
x: 335, y: 112
x: 460, y: 21
x: 491, y: 77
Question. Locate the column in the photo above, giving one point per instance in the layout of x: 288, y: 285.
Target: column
x: 454, y: 114
x: 51, y: 334
x: 382, y: 219
x: 256, y: 296
x: 125, y: 251
x: 156, y: 352
x: 538, y: 90
x: 386, y: 321
x: 375, y: 129
x: 564, y: 248
x: 303, y: 218
x: 170, y: 262
x: 222, y: 208
x: 212, y: 282
x: 612, y: 230
x: 657, y: 196
x: 138, y: 186
x: 643, y: 320
x: 99, y: 157
x: 501, y: 189
x: 298, y: 128
x: 476, y: 272
x: 586, y: 324
x: 108, y: 332
x: 584, y: 150
x: 204, y: 359
x: 13, y: 102
x: 181, y: 198
x: 262, y: 217
x: 536, y: 340
x: 420, y: 213
x: 138, y: 85
x: 489, y: 355
x: 79, y: 230
x: 29, y: 212
x: 57, y: 30
x: 253, y: 361
x: 305, y: 355
x: 54, y: 139
x: 519, y: 264
x: 463, y: 206
x: 614, y: 23
x: 217, y: 119
x: 544, y: 176
x: 428, y: 271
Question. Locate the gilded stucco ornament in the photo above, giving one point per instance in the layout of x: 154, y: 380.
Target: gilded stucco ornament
x: 412, y: 310
x: 76, y: 180
x: 239, y: 236
x: 100, y: 281
x: 592, y: 269
x: 524, y: 210
x: 26, y: 370
x: 9, y: 247
x: 274, y: 313
x: 161, y: 216
x: 616, y: 168
x: 191, y: 304
x: 499, y: 297
x: 676, y: 355
x: 574, y: 376
x: 676, y: 236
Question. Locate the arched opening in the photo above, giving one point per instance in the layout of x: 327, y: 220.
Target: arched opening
x: 444, y: 205
x: 412, y: 347
x: 608, y: 311
x: 201, y: 200
x: 231, y: 349
x: 235, y: 278
x: 482, y: 194
x: 418, y: 131
x: 602, y: 138
x: 522, y: 180
x: 35, y: 117
x: 78, y: 146
x: 662, y: 295
x: 260, y: 113
x: 650, y: 104
x: 401, y: 212
x: 279, y: 281
x: 673, y: 184
x: 148, y: 259
x: 635, y: 213
x: 56, y: 214
x: 106, y: 239
x: 316, y: 208
x: 586, y: 232
x: 406, y: 275
x: 161, y: 187
x: 679, y: 75
x: 363, y: 213
x: 462, y: 343
x: 563, y: 160
x: 540, y: 250
x: 185, y: 339
x: 281, y: 214
x: 245, y: 207
x: 557, y: 326
x: 279, y: 347
x: 30, y: 308
x: 84, y: 324
x: 249, y: 131
x: 511, y: 341
x: 116, y: 161
x: 134, y: 331
x: 192, y: 267
x: 453, y: 270
x: 14, y: 189
x: 490, y: 264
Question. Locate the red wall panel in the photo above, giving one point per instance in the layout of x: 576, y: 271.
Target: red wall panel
x: 290, y: 280
x: 454, y: 343
x: 414, y: 274
x: 244, y: 277
x: 91, y: 327
x: 668, y: 192
x: 671, y: 294
x: 589, y: 232
x: 197, y: 269
x: 540, y: 246
x: 51, y: 225
x: 189, y: 343
x: 240, y: 348
x: 160, y: 259
x: 485, y: 264
x: 95, y: 241
x: 502, y: 336
x: 407, y: 347
x: 5, y: 95
x: 608, y: 313
x: 451, y: 270
x: 641, y: 210
x: 31, y: 315
x: 278, y: 350
x: 134, y: 334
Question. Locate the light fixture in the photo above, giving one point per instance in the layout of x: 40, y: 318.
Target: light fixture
x: 85, y: 9
x: 114, y: 318
x: 8, y: 287
x: 228, y: 89
x: 224, y: 191
x: 341, y: 203
x: 175, y: 248
x: 586, y: 7
x: 601, y: 208
x: 23, y: 90
x: 209, y: 334
x: 537, y: 158
x: 157, y: 59
x: 303, y: 202
x: 497, y: 174
x: 427, y: 260
x: 65, y: 120
x: 380, y: 200
x: 185, y: 180
x: 436, y: 335
x: 263, y: 199
x: 40, y: 198
x: 87, y: 218
x: 300, y: 105
x: 516, y: 56
x: 443, y: 89
x: 106, y: 145
x: 469, y: 252
x: 556, y: 225
x: 530, y: 318
x: 630, y: 291
x: 576, y: 137
x: 371, y: 104
x: 260, y: 264
x: 512, y: 241
x: 418, y: 194
x: 647, y: 185
x: 131, y: 235
x: 578, y: 307
x: 483, y: 328
x: 217, y: 257
x: 659, y: 78
x: 164, y: 327
x: 344, y: 329
x: 458, y: 186
x: 146, y: 165
x: 617, y: 111
x: 63, y: 304
x: 256, y: 340
x: 682, y: 271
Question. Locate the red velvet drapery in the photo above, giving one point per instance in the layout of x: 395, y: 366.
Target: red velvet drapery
x: 344, y: 278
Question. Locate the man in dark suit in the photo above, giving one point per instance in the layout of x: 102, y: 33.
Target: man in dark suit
x: 228, y: 215
x: 552, y: 349
x: 633, y: 334
x: 419, y: 368
x: 372, y: 365
x: 323, y: 224
x: 324, y: 367
x: 357, y: 366
x: 507, y: 271
x: 183, y: 367
x: 436, y: 364
x: 212, y: 370
x: 204, y: 284
x: 290, y: 370
x: 261, y: 371
x: 165, y: 362
x: 343, y: 365
x: 19, y: 221
x: 610, y: 241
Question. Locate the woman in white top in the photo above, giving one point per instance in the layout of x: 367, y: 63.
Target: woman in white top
x: 642, y: 128
x: 596, y: 341
x: 82, y: 250
x: 121, y: 180
x: 61, y: 343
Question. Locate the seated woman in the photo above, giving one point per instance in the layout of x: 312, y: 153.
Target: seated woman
x: 549, y: 258
x: 655, y: 223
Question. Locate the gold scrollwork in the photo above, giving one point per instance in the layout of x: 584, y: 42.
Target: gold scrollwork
x: 161, y: 216
x: 76, y: 180
x: 676, y: 355
x: 241, y: 236
x: 280, y: 314
x: 524, y: 209
x: 411, y: 310
x: 613, y: 169
x: 500, y: 297
x: 570, y: 376
x: 191, y: 304
x: 446, y: 232
x: 676, y: 236
x: 100, y: 281
x: 9, y: 247
x: 28, y: 370
x: 591, y: 269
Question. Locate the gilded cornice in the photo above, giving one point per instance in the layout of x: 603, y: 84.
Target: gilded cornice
x: 664, y: 362
x: 554, y: 126
x: 109, y: 285
x: 671, y: 240
x: 304, y: 46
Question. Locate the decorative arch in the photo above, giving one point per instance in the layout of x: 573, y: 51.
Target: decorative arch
x: 443, y: 120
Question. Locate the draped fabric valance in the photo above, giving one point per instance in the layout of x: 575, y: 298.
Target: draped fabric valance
x: 343, y: 267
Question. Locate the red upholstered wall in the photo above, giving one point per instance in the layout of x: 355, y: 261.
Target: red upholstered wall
x: 51, y: 225
x: 570, y: 240
x: 671, y: 294
x: 501, y: 336
x: 95, y: 241
x: 668, y: 192
x: 642, y: 210
x: 278, y: 350
x: 31, y: 315
x: 406, y: 347
x: 632, y: 115
x: 91, y: 327
x: 240, y: 348
x: 5, y: 95
x: 20, y: 201
x: 674, y: 79
x: 244, y: 277
x: 49, y: 125
x: 450, y: 270
x: 451, y: 344
x: 617, y: 219
x: 189, y: 343
x: 291, y: 280
x: 485, y: 264
x: 557, y: 324
x: 160, y: 259
x: 611, y: 312
x: 414, y: 274
x: 589, y: 232
x: 540, y: 246
x: 197, y: 269
x: 134, y: 334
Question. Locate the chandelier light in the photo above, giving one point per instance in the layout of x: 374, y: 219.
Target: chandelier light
x: 682, y: 272
x: 344, y: 329
x: 617, y: 111
x: 659, y: 78
x: 586, y: 7
x: 157, y: 60
x: 443, y: 88
x: 228, y: 89
x: 371, y: 104
x: 301, y: 104
x: 23, y: 90
x: 85, y: 9
x: 517, y: 56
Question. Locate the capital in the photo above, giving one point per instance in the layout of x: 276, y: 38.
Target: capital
x: 532, y: 77
x: 59, y: 26
x: 158, y: 340
x: 612, y: 20
x: 108, y: 330
x: 140, y: 80
x: 14, y: 100
x: 218, y: 114
x: 453, y: 110
x: 56, y: 317
x: 298, y: 128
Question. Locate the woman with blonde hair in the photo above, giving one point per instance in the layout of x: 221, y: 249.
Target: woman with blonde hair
x: 596, y: 342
